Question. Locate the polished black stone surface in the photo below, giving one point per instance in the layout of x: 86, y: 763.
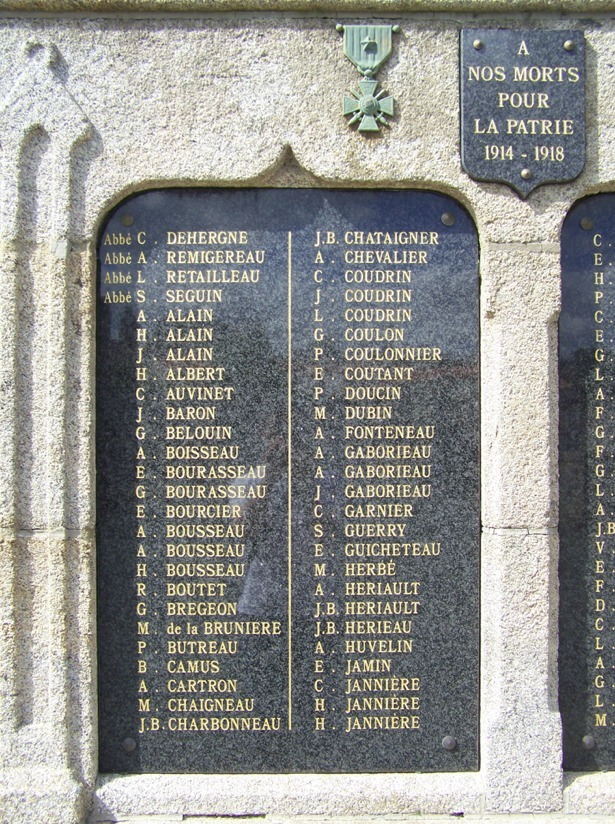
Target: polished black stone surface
x: 311, y: 383
x: 587, y: 485
x: 522, y: 106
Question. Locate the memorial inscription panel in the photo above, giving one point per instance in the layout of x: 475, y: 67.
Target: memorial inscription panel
x: 587, y: 485
x: 288, y: 482
x: 523, y: 106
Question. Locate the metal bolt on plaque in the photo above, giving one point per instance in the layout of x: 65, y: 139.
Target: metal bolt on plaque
x: 368, y: 47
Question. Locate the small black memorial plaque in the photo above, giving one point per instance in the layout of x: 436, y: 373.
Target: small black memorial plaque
x: 587, y: 485
x: 288, y: 482
x: 522, y: 106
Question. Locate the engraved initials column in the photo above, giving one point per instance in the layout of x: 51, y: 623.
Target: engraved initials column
x: 587, y: 469
x: 191, y: 432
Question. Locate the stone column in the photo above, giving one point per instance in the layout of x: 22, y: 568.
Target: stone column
x: 45, y: 532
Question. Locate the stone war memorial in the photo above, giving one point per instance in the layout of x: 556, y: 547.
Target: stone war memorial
x: 308, y: 411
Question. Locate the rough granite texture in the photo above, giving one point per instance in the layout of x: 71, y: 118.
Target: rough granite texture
x: 338, y: 6
x: 94, y: 108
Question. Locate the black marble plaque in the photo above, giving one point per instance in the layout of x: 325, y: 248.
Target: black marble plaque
x: 522, y: 106
x: 288, y: 482
x: 587, y: 485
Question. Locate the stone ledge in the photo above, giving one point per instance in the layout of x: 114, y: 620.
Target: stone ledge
x: 286, y: 797
x: 384, y: 7
x: 586, y: 793
x: 30, y: 796
x: 521, y: 818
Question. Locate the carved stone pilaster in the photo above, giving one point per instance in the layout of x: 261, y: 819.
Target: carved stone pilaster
x: 40, y: 125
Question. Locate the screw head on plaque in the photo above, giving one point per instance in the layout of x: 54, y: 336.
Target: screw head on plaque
x: 367, y: 48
